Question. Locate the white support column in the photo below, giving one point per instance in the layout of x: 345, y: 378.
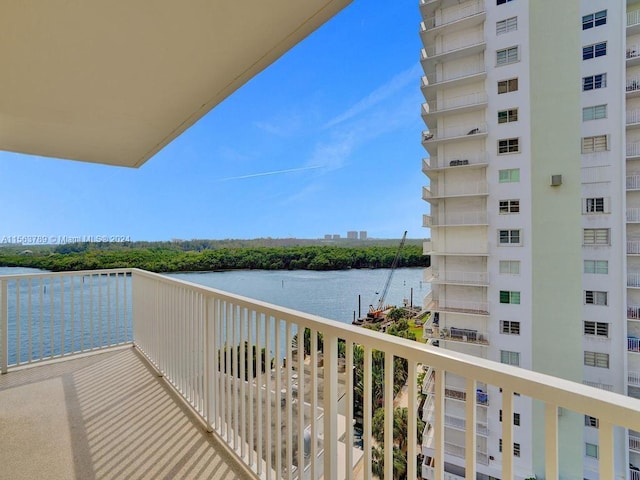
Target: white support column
x: 470, y: 431
x: 551, y: 440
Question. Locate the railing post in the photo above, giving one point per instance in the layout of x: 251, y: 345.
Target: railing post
x: 330, y: 366
x: 4, y: 326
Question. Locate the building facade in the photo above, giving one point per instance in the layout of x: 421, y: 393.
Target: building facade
x: 532, y: 110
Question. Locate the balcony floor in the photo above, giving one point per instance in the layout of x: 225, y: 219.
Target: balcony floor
x: 103, y: 416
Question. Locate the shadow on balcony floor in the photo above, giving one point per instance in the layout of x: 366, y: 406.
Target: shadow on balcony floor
x: 103, y: 416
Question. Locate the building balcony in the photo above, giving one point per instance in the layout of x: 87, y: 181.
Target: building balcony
x: 634, y: 443
x: 633, y: 247
x: 633, y: 118
x: 453, y: 77
x: 633, y: 215
x: 463, y: 17
x: 633, y: 344
x: 633, y: 312
x: 454, y: 334
x: 454, y: 189
x: 633, y: 150
x: 456, y: 306
x: 119, y: 373
x: 462, y: 248
x: 457, y: 133
x: 458, y: 278
x: 633, y: 22
x: 426, y: 247
x: 633, y: 55
x: 458, y: 47
x: 633, y: 86
x: 633, y: 378
x: 460, y: 104
x: 433, y: 165
x: 456, y: 219
x: 633, y: 279
x: 633, y: 182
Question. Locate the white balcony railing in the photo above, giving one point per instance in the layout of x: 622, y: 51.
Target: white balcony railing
x: 454, y: 189
x: 453, y: 74
x: 633, y: 84
x: 634, y: 443
x: 633, y: 214
x: 471, y: 278
x: 469, y: 100
x: 460, y: 306
x: 457, y: 219
x: 633, y: 18
x: 200, y: 340
x: 633, y: 182
x: 634, y: 474
x: 451, y: 15
x: 457, y: 43
x: 633, y: 149
x: 633, y: 344
x: 633, y: 312
x: 460, y: 247
x: 633, y: 378
x: 633, y: 247
x: 455, y: 132
x: 633, y: 279
x: 633, y: 116
x: 454, y: 161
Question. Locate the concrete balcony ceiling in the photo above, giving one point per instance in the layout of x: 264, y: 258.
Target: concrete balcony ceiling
x: 114, y: 82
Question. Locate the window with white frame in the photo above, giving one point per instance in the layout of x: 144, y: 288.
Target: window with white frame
x: 600, y: 267
x: 509, y: 175
x: 590, y: 421
x: 508, y: 206
x: 505, y: 56
x: 593, y: 82
x: 595, y: 297
x: 510, y: 327
x: 596, y: 359
x: 595, y: 50
x: 506, y: 86
x: 594, y: 20
x: 510, y: 358
x: 510, y: 297
x: 508, y: 116
x: 510, y: 267
x: 597, y: 143
x: 595, y: 205
x: 508, y: 145
x: 596, y: 329
x: 591, y: 450
x: 596, y: 236
x: 595, y: 112
x: 507, y: 25
x: 509, y: 237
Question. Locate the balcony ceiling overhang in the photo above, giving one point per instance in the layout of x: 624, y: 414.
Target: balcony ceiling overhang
x: 115, y: 81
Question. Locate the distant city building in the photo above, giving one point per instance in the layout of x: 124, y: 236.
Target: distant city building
x: 336, y: 236
x: 363, y: 234
x: 352, y: 235
x: 327, y: 236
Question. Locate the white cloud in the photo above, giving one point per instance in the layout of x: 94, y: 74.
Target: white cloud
x: 393, y: 86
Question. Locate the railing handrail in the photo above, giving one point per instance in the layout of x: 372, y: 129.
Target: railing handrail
x: 611, y: 408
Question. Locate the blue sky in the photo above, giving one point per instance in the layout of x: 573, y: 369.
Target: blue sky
x: 325, y: 140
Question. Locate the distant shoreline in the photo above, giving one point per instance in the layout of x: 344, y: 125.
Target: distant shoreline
x: 74, y: 257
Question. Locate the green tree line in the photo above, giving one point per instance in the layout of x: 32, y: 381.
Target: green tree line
x: 162, y: 259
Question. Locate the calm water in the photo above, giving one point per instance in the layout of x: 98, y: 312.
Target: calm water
x: 332, y: 294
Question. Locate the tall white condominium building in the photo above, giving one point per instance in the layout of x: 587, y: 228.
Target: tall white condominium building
x: 533, y: 139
